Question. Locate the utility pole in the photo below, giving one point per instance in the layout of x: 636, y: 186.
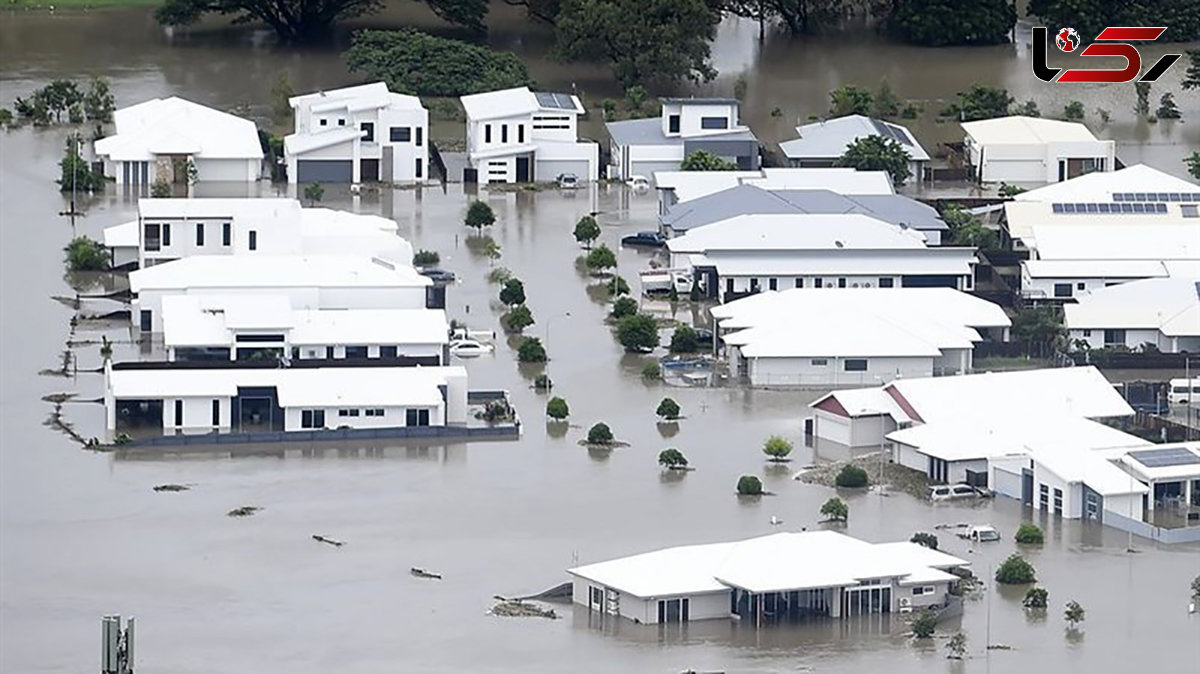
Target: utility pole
x: 73, y: 147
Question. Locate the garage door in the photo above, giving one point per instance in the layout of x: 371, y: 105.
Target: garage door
x: 1006, y: 483
x: 647, y: 168
x: 324, y: 171
x: 550, y: 170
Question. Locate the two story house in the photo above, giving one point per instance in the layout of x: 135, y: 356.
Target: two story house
x: 644, y: 146
x: 518, y: 136
x: 357, y: 134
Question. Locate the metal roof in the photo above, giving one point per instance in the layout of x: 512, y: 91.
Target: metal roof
x: 828, y: 139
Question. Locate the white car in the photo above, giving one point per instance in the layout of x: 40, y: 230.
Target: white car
x: 952, y: 491
x: 638, y: 183
x: 981, y: 534
x: 469, y: 348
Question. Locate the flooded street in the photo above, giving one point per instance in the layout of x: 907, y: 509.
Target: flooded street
x: 82, y: 534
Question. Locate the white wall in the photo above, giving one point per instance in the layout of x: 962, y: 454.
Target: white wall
x: 935, y: 598
x: 1043, y: 287
x: 1071, y: 493
x: 831, y: 427
x: 690, y: 114
x: 802, y: 371
x: 394, y: 417
x: 231, y: 170
x: 1124, y: 505
x: 197, y: 415
x: 1134, y: 339
x: 1037, y: 162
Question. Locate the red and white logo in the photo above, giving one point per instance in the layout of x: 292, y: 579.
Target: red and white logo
x: 1112, y: 41
x: 1067, y: 40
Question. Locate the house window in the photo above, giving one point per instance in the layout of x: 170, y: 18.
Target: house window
x: 341, y: 122
x: 144, y: 320
x: 152, y: 237
x: 1114, y: 337
x: 368, y: 131
x: 324, y: 122
x: 818, y: 283
x: 420, y: 136
x: 841, y: 283
x: 199, y: 233
x: 1058, y: 501
x: 773, y: 284
x: 253, y: 240
x: 922, y: 590
x: 356, y: 352
x: 400, y: 134
x: 503, y: 133
x: 1081, y: 286
x: 714, y: 122
x: 886, y: 282
x: 1062, y: 290
x: 1044, y: 496
x: 312, y: 419
x: 753, y: 285
x: 226, y: 234
x: 417, y: 171
x: 520, y: 133
x: 416, y: 417
x: 673, y: 124
x: 799, y: 283
x: 375, y: 412
x: 166, y: 234
x: 1087, y: 333
x: 387, y: 352
x: 216, y: 412
x: 673, y: 610
x: 178, y: 412
x: 855, y: 365
x: 348, y: 413
x: 329, y: 353
x: 487, y: 133
x: 819, y: 362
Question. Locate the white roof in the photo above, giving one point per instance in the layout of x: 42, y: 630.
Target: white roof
x: 124, y: 235
x: 211, y: 319
x: 829, y: 262
x: 177, y: 126
x: 513, y: 102
x: 1174, y: 470
x: 264, y: 208
x: 233, y: 271
x: 1101, y: 185
x: 370, y: 326
x: 784, y: 561
x: 1021, y: 218
x: 690, y: 185
x: 943, y: 304
x: 849, y: 334
x: 828, y: 139
x: 1119, y: 242
x: 1087, y: 269
x: 357, y: 98
x: 1026, y: 130
x: 299, y: 143
x: 799, y: 231
x: 1037, y: 435
x: 1169, y: 305
x: 1092, y: 469
x: 296, y: 387
x: 864, y: 402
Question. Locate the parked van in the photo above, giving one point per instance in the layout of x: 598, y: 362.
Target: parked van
x: 1184, y: 391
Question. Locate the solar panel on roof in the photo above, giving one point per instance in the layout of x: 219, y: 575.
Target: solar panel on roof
x: 547, y: 99
x: 891, y: 131
x: 1170, y: 456
x: 1057, y: 208
x: 1104, y: 208
x: 1122, y: 207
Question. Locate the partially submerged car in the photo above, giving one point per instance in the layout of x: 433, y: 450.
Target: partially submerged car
x: 567, y: 181
x: 469, y: 348
x: 648, y: 239
x: 982, y: 533
x: 638, y: 183
x: 947, y: 492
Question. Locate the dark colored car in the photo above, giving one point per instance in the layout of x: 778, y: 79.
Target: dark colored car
x: 439, y: 275
x: 649, y: 239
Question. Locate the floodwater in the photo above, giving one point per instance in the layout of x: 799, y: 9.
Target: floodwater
x: 82, y: 534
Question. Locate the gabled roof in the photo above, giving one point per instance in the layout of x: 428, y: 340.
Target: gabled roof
x: 797, y: 232
x: 124, y: 235
x: 1017, y: 129
x: 1022, y: 217
x: 649, y: 131
x: 263, y: 271
x: 1169, y: 305
x: 850, y: 334
x: 178, y: 126
x: 1118, y: 242
x: 828, y: 139
x: 518, y: 101
x: 688, y: 185
x: 356, y: 98
x: 1102, y: 185
x: 299, y: 143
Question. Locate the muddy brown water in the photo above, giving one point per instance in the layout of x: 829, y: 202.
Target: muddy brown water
x: 83, y: 534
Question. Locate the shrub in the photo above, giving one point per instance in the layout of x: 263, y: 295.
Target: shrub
x: 928, y: 540
x: 499, y: 275
x: 749, y: 485
x: 1074, y: 613
x: 542, y: 382
x: 600, y: 434
x: 836, y: 510
x: 624, y: 306
x: 426, y: 258
x: 587, y: 231
x: 1073, y: 111
x: 852, y: 476
x: 651, y: 370
x: 703, y: 160
x: 497, y: 410
x: 160, y: 189
x: 513, y: 292
x: 1036, y: 597
x: 76, y: 172
x: 684, y: 340
x: 849, y: 100
x: 1015, y: 571
x: 638, y: 332
x: 314, y: 192
x: 672, y: 458
x: 668, y: 409
x: 417, y: 63
x: 957, y: 646
x: 517, y: 319
x: 777, y: 448
x: 924, y: 624
x: 479, y: 215
x: 85, y: 254
x: 557, y: 409
x: 531, y: 351
x: 1029, y: 534
x: 1196, y: 587
x: 617, y: 286
x: 601, y: 258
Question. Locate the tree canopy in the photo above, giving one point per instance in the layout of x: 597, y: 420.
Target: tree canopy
x: 587, y: 231
x: 638, y: 332
x: 981, y: 102
x: 876, y: 153
x: 836, y: 510
x: 939, y: 23
x: 86, y: 254
x: 668, y: 409
x: 849, y: 100
x: 601, y: 258
x: 513, y: 292
x: 624, y: 306
x: 292, y: 20
x: 1089, y: 17
x: 1015, y: 571
x: 557, y: 409
x: 416, y: 63
x: 684, y: 340
x: 749, y: 485
x: 479, y: 215
x: 777, y: 448
x: 672, y: 459
x: 531, y: 351
x: 703, y: 160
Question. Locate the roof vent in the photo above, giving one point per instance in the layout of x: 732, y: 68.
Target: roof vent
x: 839, y: 244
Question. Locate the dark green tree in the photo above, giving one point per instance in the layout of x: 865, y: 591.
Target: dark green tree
x: 798, y: 16
x: 835, y: 510
x: 6, y: 117
x: 1027, y: 109
x: 849, y: 100
x: 927, y: 539
x: 292, y: 20
x: 667, y: 409
x: 851, y: 477
x: 517, y: 318
x: 981, y: 102
x: 1073, y: 111
x: 672, y: 459
x: 1191, y: 78
x: 479, y: 215
x: 624, y: 306
x: 684, y: 340
x: 638, y: 333
x: 426, y: 258
x: 617, y: 286
x: 314, y: 192
x: 924, y: 624
x: 1142, y: 107
x: 85, y: 254
x: 1015, y: 571
x: 886, y: 105
x: 703, y: 160
x: 941, y: 23
x: 557, y: 409
x: 1029, y: 534
x: 1193, y: 164
x: 640, y: 40
x: 416, y: 63
x: 1036, y: 597
x: 1073, y: 614
x: 99, y: 103
x: 531, y: 351
x: 513, y: 292
x: 600, y: 434
x: 587, y: 231
x: 59, y: 96
x: 876, y: 153
x: 1089, y: 17
x: 967, y: 229
x: 1040, y: 328
x: 601, y: 258
x: 1167, y: 108
x: 75, y: 173
x: 749, y: 485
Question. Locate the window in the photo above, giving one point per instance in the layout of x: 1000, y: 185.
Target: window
x: 1044, y: 496
x: 216, y: 413
x: 324, y: 122
x: 329, y: 353
x: 487, y: 133
x: 819, y: 362
x: 886, y: 282
x: 1081, y: 286
x: 1087, y: 333
x: 799, y: 283
x: 348, y: 413
x: 375, y: 412
x: 841, y: 283
x: 400, y: 134
x: 773, y: 284
x: 1062, y: 290
x: 420, y: 136
x: 1114, y: 337
x: 199, y: 233
x: 178, y: 412
x: 673, y: 610
x: 417, y: 171
x: 152, y: 237
x: 368, y: 131
x: 753, y: 285
x: 144, y: 321
x: 922, y: 590
x: 226, y: 234
x: 503, y: 133
x: 673, y: 124
x: 341, y: 122
x: 818, y: 283
x: 387, y: 352
x: 714, y: 122
x: 855, y: 365
x: 312, y: 419
x: 166, y: 234
x: 1058, y: 501
x: 416, y: 417
x: 520, y: 133
x: 356, y: 352
x: 253, y: 240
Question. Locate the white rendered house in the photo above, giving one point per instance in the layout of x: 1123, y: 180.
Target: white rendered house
x: 821, y: 144
x: 1163, y: 312
x: 1020, y: 149
x: 642, y: 147
x: 158, y: 139
x: 357, y: 134
x: 519, y: 136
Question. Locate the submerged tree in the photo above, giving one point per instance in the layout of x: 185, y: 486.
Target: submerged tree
x: 600, y: 434
x: 479, y: 215
x: 777, y: 448
x: 926, y: 539
x: 86, y: 254
x: 314, y: 192
x: 940, y: 23
x: 667, y: 409
x: 587, y: 231
x: 557, y: 409
x: 749, y: 485
x: 956, y: 647
x: 601, y: 259
x: 672, y: 459
x: 637, y: 333
x: 924, y: 624
x: 1036, y: 597
x: 835, y: 510
x: 849, y: 100
x: 1073, y: 614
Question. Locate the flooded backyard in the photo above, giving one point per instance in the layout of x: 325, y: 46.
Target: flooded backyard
x: 84, y: 534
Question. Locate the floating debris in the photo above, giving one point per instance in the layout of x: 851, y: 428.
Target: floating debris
x: 515, y: 608
x: 898, y: 477
x: 422, y: 573
x: 173, y: 487
x: 244, y: 511
x: 330, y: 541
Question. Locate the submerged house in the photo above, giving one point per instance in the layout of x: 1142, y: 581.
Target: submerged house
x: 1161, y: 312
x: 363, y: 133
x: 1019, y: 149
x: 160, y: 139
x: 770, y: 579
x: 644, y: 147
x: 241, y: 400
x: 520, y: 136
x: 821, y: 144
